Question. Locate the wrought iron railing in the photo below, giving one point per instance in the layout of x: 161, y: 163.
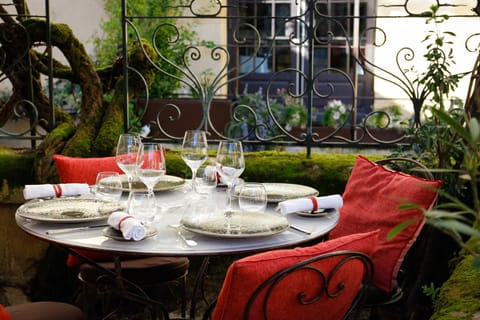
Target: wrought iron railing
x: 25, y: 123
x: 234, y: 54
x: 305, y: 34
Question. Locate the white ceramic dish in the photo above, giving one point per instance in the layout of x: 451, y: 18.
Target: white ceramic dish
x: 68, y: 210
x: 236, y: 224
x: 277, y: 192
x: 166, y: 182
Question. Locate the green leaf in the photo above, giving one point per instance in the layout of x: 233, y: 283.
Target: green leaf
x: 456, y: 227
x: 474, y: 128
x: 399, y: 228
x: 453, y: 123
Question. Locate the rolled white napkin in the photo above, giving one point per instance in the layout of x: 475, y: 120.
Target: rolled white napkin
x: 131, y: 227
x: 32, y: 191
x: 334, y: 201
x: 235, y: 181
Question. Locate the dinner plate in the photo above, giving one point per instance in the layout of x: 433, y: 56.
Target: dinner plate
x: 237, y: 224
x: 277, y: 192
x: 166, y: 182
x: 68, y: 210
x: 115, y: 234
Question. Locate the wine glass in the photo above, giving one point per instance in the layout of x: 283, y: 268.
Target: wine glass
x: 151, y: 164
x: 126, y: 156
x: 194, y: 152
x: 230, y: 164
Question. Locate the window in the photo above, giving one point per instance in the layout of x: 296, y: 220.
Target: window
x: 334, y: 34
x: 269, y: 18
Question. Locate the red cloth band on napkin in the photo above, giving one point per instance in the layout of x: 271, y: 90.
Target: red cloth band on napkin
x: 58, y: 190
x: 121, y: 220
x: 315, y: 203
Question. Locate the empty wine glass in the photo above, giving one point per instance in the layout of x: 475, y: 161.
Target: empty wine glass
x: 194, y: 151
x: 126, y: 156
x: 230, y: 164
x: 151, y: 164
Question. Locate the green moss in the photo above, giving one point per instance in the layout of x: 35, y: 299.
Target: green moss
x: 459, y: 297
x: 16, y: 170
x: 327, y: 173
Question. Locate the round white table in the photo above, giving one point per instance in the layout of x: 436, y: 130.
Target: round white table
x: 172, y: 206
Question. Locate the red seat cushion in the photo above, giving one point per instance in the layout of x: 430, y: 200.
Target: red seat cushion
x: 246, y: 274
x: 44, y: 310
x: 84, y: 170
x: 370, y: 201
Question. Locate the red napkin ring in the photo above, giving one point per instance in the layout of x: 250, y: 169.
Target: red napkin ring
x: 315, y: 203
x: 121, y: 220
x: 58, y: 190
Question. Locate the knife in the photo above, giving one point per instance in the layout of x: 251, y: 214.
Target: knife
x: 65, y: 230
x: 300, y: 229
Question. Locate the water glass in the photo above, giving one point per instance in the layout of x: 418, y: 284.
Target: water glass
x: 108, y: 186
x: 206, y: 180
x: 142, y: 205
x: 252, y: 197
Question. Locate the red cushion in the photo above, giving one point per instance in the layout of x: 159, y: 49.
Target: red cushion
x: 246, y: 274
x: 84, y: 170
x: 4, y: 314
x: 370, y: 201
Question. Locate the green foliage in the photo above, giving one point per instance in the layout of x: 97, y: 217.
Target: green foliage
x: 335, y: 113
x: 386, y: 117
x: 159, y: 33
x: 454, y: 215
x: 438, y: 79
x: 430, y: 290
x: 253, y: 115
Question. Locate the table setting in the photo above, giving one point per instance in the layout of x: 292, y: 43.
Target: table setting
x: 214, y: 205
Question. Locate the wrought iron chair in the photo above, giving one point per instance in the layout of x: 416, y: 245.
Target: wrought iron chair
x: 326, y: 273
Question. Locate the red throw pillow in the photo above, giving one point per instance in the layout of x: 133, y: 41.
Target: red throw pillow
x: 84, y: 170
x: 370, y: 201
x: 246, y: 274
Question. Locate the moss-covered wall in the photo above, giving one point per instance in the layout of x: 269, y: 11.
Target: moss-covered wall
x: 459, y: 297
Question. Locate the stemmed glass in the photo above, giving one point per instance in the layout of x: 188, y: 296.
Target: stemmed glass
x: 151, y: 164
x: 230, y: 164
x: 194, y: 152
x: 126, y: 156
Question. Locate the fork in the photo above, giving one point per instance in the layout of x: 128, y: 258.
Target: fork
x: 188, y: 242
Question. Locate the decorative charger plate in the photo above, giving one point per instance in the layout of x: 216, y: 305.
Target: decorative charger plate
x: 277, y: 192
x: 117, y: 235
x: 68, y: 210
x: 237, y: 224
x: 166, y: 183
